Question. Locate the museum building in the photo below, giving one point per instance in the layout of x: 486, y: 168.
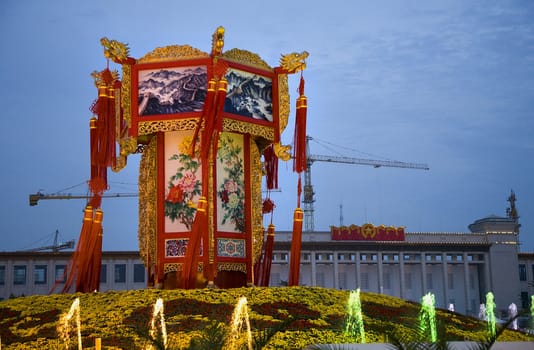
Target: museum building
x: 458, y: 268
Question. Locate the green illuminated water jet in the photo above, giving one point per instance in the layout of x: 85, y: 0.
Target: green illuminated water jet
x: 427, y: 316
x: 354, y: 324
x: 490, y: 313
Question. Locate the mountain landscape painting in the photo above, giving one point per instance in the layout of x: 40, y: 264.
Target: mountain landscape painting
x: 172, y: 90
x: 249, y: 95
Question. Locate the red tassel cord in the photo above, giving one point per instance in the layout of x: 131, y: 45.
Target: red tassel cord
x: 271, y: 167
x: 95, y: 258
x: 296, y: 242
x: 299, y: 149
x: 265, y: 273
x: 299, y: 165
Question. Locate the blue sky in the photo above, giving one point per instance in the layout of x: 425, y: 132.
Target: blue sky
x: 448, y: 83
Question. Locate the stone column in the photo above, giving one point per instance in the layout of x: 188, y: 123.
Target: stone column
x: 380, y: 274
x: 401, y: 277
x: 313, y: 269
x: 423, y: 274
x: 445, y: 280
x: 358, y: 271
x: 468, y: 311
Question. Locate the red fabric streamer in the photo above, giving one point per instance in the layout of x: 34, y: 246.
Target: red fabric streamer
x: 200, y: 226
x: 296, y: 242
x: 207, y: 111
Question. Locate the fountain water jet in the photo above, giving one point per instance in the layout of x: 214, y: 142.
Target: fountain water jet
x: 239, y: 317
x: 427, y: 316
x: 158, y: 310
x: 490, y: 313
x: 354, y: 325
x: 64, y: 324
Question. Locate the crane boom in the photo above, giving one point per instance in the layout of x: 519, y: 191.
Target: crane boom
x: 309, y: 225
x: 36, y: 197
x: 361, y: 161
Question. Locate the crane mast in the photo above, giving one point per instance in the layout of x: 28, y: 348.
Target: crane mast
x: 309, y: 225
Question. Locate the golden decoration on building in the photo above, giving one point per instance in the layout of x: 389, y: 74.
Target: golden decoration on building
x: 151, y: 127
x: 217, y: 42
x: 172, y: 53
x: 247, y: 58
x: 294, y: 62
x: 115, y: 50
x: 147, y: 231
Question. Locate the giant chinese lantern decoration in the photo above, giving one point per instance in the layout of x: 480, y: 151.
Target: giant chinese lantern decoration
x: 203, y: 123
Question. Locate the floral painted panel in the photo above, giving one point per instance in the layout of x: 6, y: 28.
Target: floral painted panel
x: 183, y: 186
x: 228, y: 247
x: 230, y: 183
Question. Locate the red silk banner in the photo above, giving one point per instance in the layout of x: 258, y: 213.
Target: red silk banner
x: 367, y: 232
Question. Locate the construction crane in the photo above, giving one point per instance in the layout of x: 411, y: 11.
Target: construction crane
x: 308, y: 200
x: 55, y: 247
x: 36, y: 197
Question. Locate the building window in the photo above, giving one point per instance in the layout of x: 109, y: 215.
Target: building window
x: 365, y: 280
x: 39, y: 274
x: 139, y: 273
x: 429, y: 281
x: 449, y: 257
x: 450, y: 280
x: 472, y: 281
x: 387, y: 281
x: 363, y: 257
x: 342, y: 280
x: 438, y: 257
x: 275, y: 279
x: 120, y: 273
x: 2, y: 275
x: 60, y: 275
x: 406, y: 257
x: 320, y: 279
x: 522, y: 272
x: 524, y: 300
x: 19, y: 274
x: 408, y: 280
x: 104, y: 273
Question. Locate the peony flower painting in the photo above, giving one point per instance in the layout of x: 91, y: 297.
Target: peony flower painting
x: 230, y: 183
x: 183, y: 176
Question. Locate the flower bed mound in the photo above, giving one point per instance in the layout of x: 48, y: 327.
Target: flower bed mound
x: 282, y: 318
